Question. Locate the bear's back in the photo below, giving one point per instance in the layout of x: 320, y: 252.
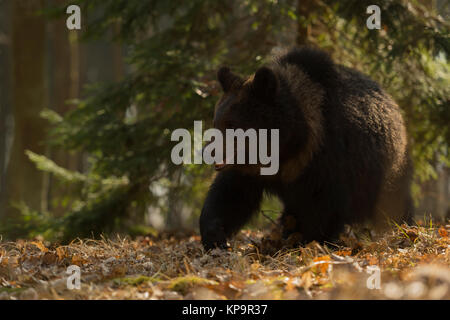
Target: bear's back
x: 317, y: 64
x: 360, y: 116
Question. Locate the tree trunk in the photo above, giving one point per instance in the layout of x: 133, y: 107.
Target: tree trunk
x: 5, y: 97
x: 24, y: 181
x: 304, y: 9
x: 64, y: 85
x: 174, y: 221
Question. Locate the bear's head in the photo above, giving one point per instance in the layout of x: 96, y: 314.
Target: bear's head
x: 261, y: 101
x: 245, y: 104
x: 275, y: 97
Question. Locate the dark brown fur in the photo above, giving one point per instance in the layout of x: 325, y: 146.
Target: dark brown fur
x: 343, y: 150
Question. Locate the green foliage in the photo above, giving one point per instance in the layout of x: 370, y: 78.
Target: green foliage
x: 30, y: 224
x: 135, y: 281
x: 45, y: 164
x: 174, y: 49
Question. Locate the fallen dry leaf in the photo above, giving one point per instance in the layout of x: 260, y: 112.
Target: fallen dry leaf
x: 320, y: 264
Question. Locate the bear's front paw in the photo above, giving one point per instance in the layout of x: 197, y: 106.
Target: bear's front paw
x: 213, y: 238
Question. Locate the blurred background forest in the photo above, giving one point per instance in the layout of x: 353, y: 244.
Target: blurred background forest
x: 86, y: 115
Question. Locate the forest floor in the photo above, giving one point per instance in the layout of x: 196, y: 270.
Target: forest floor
x: 413, y: 263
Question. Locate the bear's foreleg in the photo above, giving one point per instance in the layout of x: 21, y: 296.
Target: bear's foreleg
x: 231, y: 201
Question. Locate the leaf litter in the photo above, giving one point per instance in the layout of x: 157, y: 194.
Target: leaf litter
x: 414, y: 263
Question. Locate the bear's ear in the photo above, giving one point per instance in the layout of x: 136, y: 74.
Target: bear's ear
x: 226, y: 78
x: 265, y: 82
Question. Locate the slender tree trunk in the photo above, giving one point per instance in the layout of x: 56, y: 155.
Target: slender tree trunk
x: 304, y: 9
x: 174, y: 218
x: 5, y: 97
x: 64, y: 85
x: 118, y: 64
x: 24, y: 181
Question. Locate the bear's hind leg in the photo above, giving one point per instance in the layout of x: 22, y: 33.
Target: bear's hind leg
x: 311, y: 224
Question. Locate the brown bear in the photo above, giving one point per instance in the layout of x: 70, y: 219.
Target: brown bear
x: 343, y: 153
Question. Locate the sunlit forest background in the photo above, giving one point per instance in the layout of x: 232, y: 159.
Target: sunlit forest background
x: 86, y: 115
